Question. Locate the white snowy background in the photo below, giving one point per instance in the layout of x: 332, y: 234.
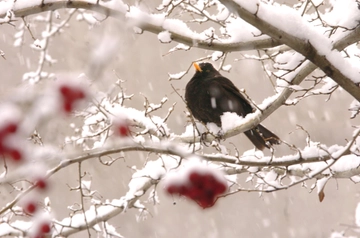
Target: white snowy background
x: 113, y: 53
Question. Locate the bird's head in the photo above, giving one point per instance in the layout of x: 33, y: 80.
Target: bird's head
x: 205, y: 70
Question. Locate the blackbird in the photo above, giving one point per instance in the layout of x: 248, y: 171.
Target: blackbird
x: 209, y: 94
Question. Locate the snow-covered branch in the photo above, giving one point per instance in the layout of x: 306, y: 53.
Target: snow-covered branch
x: 143, y: 179
x: 317, y: 51
x: 154, y: 23
x: 308, y: 155
x: 317, y: 48
x: 317, y: 154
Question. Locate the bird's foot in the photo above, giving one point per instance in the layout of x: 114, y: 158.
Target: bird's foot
x: 220, y: 135
x: 204, y: 137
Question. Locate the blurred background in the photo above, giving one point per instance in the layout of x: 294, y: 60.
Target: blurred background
x: 143, y: 63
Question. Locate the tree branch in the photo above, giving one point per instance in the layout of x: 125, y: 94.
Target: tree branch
x: 154, y: 23
x: 314, y: 50
x: 106, y: 211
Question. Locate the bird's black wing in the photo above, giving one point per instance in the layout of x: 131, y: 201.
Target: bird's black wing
x: 227, y: 97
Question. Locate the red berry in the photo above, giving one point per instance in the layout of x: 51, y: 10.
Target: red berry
x: 45, y: 228
x: 196, y: 179
x: 208, y: 182
x: 172, y: 189
x: 15, y: 154
x: 183, y: 190
x: 209, y: 193
x: 65, y: 90
x: 194, y: 193
x: 70, y: 96
x: 67, y: 106
x: 206, y: 202
x: 41, y: 184
x: 123, y: 130
x: 10, y: 128
x: 220, y: 188
x: 30, y: 207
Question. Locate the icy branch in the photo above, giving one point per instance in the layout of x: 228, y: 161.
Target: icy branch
x: 155, y: 23
x: 315, y: 161
x: 149, y: 177
x: 316, y: 48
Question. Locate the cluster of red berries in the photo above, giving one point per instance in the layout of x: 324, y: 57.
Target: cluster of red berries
x: 203, y: 188
x: 43, y: 227
x: 6, y: 149
x: 31, y: 207
x: 70, y: 95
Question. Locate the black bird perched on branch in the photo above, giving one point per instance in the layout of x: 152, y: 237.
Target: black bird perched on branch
x: 208, y: 95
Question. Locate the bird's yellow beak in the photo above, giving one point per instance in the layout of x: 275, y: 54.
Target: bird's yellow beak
x: 197, y: 67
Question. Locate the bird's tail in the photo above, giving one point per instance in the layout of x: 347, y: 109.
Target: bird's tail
x: 262, y: 137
